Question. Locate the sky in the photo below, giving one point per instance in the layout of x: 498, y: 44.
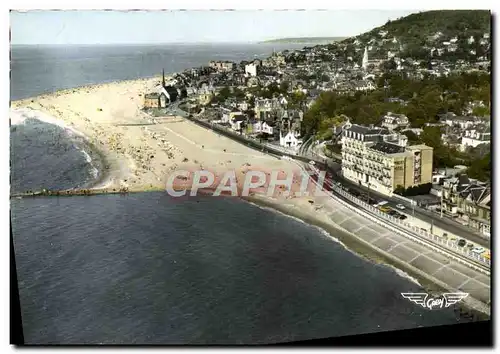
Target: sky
x: 191, y: 26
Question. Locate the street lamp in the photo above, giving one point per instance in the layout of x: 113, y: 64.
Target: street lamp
x: 441, y: 206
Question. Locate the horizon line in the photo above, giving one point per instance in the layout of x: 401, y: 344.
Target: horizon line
x: 260, y: 41
x: 138, y: 43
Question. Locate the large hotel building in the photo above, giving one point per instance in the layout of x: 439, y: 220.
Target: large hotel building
x: 381, y: 159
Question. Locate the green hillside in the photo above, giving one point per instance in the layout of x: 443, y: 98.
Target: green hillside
x: 417, y: 33
x: 449, y: 22
x: 419, y: 28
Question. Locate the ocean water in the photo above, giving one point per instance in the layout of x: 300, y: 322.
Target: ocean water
x: 39, y: 69
x: 144, y: 269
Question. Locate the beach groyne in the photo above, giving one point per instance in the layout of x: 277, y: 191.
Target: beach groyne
x: 73, y: 192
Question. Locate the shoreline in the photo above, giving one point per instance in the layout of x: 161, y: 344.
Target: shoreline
x: 183, y: 135
x: 99, y: 159
x: 101, y: 163
x: 99, y: 138
x: 70, y: 90
x: 367, y: 252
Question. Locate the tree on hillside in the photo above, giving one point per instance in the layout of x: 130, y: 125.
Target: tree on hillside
x: 224, y: 93
x: 389, y: 65
x: 284, y: 86
x: 238, y: 93
x: 412, y: 137
x: 481, y: 168
x: 431, y: 136
x: 297, y: 99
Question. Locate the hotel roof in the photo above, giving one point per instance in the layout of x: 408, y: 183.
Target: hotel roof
x: 388, y: 148
x: 368, y: 131
x: 419, y: 147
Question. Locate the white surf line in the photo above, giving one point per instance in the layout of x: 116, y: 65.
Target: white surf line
x: 217, y: 151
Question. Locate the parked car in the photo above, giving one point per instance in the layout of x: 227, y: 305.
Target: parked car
x: 353, y: 192
x: 461, y: 242
x: 383, y: 202
x: 486, y: 255
x: 400, y: 206
x: 478, y: 250
x: 402, y: 217
x: 392, y: 212
x: 384, y: 209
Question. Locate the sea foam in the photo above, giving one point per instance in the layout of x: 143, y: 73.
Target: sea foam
x: 403, y: 274
x: 19, y: 117
x: 322, y: 231
x: 94, y: 170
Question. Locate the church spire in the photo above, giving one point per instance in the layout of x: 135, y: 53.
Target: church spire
x: 365, y: 59
x: 163, y: 77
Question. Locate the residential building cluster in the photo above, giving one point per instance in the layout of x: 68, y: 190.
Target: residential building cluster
x: 376, y: 157
x: 465, y: 132
x: 465, y: 199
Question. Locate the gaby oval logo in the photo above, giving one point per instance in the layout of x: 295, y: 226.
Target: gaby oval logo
x: 435, y: 303
x: 445, y: 300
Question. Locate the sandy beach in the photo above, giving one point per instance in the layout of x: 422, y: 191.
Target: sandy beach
x: 140, y: 155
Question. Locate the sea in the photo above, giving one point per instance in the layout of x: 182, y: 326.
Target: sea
x: 141, y: 269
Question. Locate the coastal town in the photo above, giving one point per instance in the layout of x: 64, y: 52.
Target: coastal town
x: 270, y: 100
x: 340, y: 188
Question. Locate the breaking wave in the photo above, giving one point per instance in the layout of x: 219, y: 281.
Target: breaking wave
x: 19, y: 117
x: 38, y: 127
